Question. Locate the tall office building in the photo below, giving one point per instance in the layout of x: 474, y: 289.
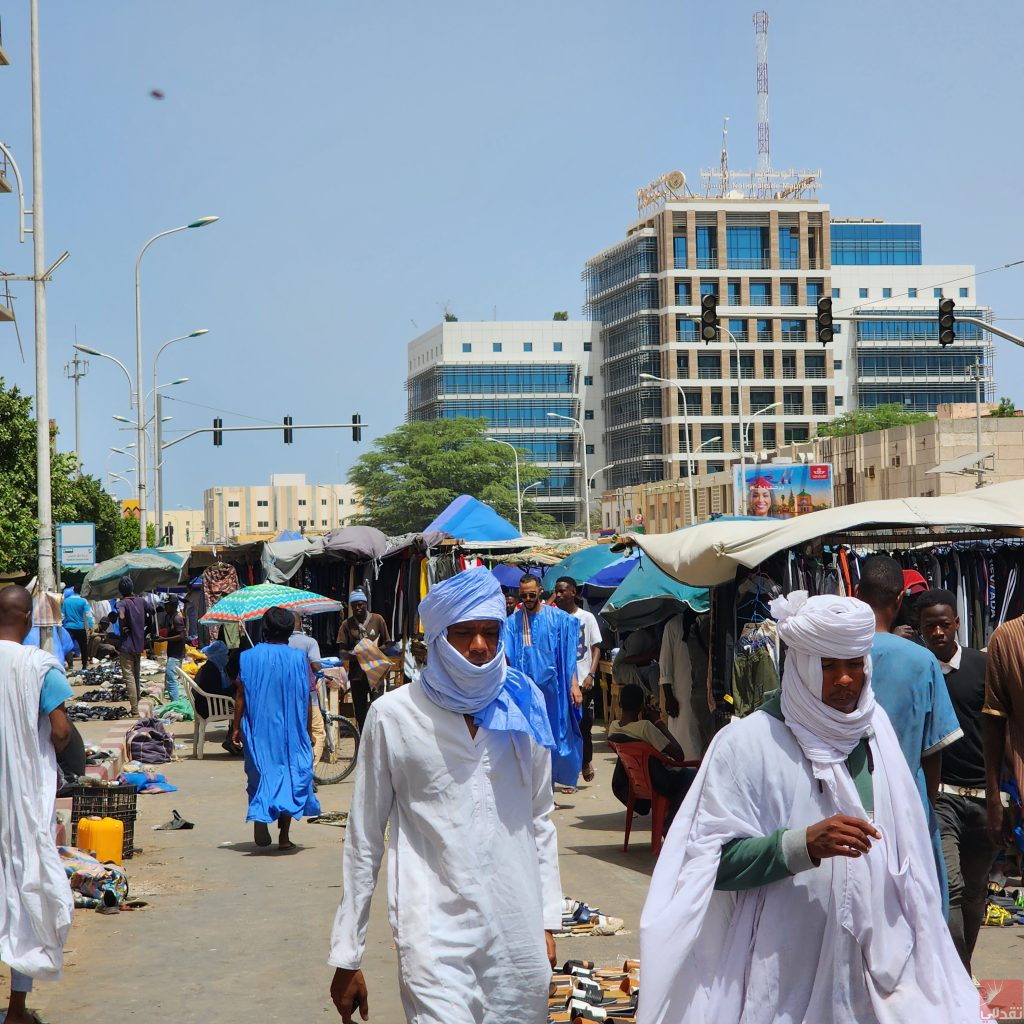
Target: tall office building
x: 761, y: 243
x: 515, y: 374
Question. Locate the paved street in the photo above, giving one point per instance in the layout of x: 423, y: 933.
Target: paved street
x: 233, y: 933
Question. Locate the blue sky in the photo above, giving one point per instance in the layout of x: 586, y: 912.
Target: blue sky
x: 372, y: 162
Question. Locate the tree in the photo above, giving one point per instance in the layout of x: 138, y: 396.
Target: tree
x: 74, y: 499
x: 562, y: 314
x: 862, y: 421
x: 416, y: 471
x: 450, y: 318
x: 1004, y: 409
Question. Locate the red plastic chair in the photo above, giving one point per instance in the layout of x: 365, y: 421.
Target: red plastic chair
x: 636, y: 759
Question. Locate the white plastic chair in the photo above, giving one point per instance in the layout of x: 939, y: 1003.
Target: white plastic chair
x: 220, y: 709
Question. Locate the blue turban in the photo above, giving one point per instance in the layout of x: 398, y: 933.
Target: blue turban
x: 499, y: 698
x: 357, y: 595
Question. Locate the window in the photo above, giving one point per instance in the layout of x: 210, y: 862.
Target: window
x: 323, y: 501
x: 588, y: 414
x: 814, y: 364
x: 707, y: 247
x: 876, y: 244
x: 862, y: 293
x: 764, y: 330
x: 262, y: 524
x: 467, y: 347
x: 590, y: 449
x: 686, y: 329
x: 760, y: 293
x: 769, y: 364
x: 684, y: 294
x: 682, y: 364
x: 588, y: 346
x: 558, y: 346
x: 709, y: 288
x: 839, y: 401
x: 815, y: 290
x: 747, y: 247
x: 789, y: 248
x: 734, y: 293
x: 679, y: 251
x: 836, y: 293
x: 768, y: 435
x: 496, y: 346
x: 527, y: 346
x: 837, y: 364
x: 709, y: 366
x: 788, y: 289
x: 232, y: 504
x: 323, y: 522
x: 302, y: 501
x: 738, y: 328
x: 886, y: 293
x: 352, y: 501
x: 911, y: 293
x: 588, y: 382
x: 302, y: 524
x: 263, y: 503
x: 963, y: 293
x: 234, y: 526
x: 794, y: 433
x: 936, y: 293
x: 341, y: 501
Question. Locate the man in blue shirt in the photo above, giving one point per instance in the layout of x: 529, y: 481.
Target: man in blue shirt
x: 78, y: 620
x: 33, y: 728
x: 909, y: 685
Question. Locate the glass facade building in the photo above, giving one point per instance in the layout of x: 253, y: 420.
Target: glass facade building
x: 876, y: 244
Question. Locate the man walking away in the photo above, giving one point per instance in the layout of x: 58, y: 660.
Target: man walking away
x: 35, y: 900
x: 540, y: 641
x: 306, y: 644
x: 967, y: 847
x: 362, y: 624
x: 588, y: 656
x: 76, y: 614
x: 458, y: 764
x: 131, y: 621
x: 174, y: 626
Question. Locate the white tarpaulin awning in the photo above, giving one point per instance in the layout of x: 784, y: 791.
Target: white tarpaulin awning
x: 710, y: 553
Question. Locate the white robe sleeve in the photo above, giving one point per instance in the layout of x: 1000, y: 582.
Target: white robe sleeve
x: 372, y: 800
x: 546, y: 838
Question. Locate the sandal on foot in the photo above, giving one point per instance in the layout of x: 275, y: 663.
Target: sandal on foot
x: 261, y: 833
x: 588, y: 773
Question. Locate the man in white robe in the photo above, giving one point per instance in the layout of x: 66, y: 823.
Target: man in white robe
x: 797, y: 884
x: 35, y: 898
x: 459, y: 764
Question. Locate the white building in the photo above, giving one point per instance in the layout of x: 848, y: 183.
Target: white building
x: 516, y: 374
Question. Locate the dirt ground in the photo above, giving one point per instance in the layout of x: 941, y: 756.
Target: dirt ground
x: 234, y: 934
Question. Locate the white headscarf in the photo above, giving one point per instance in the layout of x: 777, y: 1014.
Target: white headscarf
x: 824, y: 627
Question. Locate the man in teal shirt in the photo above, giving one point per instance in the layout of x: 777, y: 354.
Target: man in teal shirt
x: 77, y: 616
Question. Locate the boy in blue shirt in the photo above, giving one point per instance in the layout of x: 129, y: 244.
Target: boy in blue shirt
x: 77, y: 616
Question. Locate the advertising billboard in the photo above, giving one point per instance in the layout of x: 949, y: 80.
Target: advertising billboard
x: 782, y: 491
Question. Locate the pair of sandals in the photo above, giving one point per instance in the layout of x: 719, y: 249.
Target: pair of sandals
x: 262, y: 838
x: 588, y: 776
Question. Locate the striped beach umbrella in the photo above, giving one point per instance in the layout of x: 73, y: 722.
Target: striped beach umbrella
x: 250, y: 603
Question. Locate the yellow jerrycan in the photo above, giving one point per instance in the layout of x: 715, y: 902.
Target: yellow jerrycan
x: 104, y: 836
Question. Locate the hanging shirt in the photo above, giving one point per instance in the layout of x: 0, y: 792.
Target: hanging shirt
x: 472, y: 862
x: 278, y: 754
x: 543, y: 646
x: 677, y: 673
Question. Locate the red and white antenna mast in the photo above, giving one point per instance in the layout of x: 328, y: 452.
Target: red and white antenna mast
x: 764, y: 157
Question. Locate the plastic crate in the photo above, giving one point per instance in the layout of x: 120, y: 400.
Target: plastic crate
x: 118, y: 802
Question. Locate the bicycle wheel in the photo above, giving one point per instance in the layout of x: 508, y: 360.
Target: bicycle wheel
x: 339, y: 756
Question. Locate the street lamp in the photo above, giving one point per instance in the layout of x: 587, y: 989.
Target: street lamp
x: 519, y: 496
x: 158, y: 477
x: 585, y: 481
x: 200, y: 223
x: 750, y: 421
x: 739, y: 394
x: 89, y: 351
x: 689, y: 442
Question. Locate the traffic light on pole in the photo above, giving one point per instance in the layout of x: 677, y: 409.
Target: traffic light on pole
x: 218, y: 437
x: 823, y: 321
x: 357, y: 431
x: 947, y: 322
x: 709, y: 317
x: 287, y: 430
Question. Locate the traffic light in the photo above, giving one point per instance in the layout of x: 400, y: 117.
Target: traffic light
x: 823, y: 321
x: 287, y: 430
x: 709, y: 317
x: 947, y: 322
x: 357, y: 431
x: 218, y: 437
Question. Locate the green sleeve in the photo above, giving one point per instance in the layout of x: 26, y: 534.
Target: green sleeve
x: 748, y: 863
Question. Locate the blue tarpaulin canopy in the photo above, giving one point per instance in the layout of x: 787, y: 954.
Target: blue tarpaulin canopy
x: 472, y: 520
x: 647, y: 595
x: 584, y: 564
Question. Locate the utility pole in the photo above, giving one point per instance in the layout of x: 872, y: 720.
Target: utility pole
x: 45, y: 568
x: 976, y: 370
x: 76, y: 370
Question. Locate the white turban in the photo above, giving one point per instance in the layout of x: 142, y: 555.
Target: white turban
x: 824, y: 627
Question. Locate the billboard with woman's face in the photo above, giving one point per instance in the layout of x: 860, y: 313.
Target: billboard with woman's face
x: 782, y: 491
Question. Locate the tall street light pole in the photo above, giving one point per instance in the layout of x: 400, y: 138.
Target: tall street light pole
x: 689, y: 442
x: 519, y: 494
x: 140, y: 411
x: 759, y: 412
x: 76, y: 370
x: 158, y: 479
x: 585, y: 483
x: 739, y: 396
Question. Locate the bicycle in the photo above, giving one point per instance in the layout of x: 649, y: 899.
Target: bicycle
x: 340, y: 747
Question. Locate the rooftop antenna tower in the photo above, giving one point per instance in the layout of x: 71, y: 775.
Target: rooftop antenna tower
x: 764, y: 157
x: 724, y: 164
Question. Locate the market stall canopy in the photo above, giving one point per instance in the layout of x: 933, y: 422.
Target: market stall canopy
x: 356, y: 543
x: 472, y: 520
x: 648, y: 595
x: 710, y: 553
x: 148, y: 569
x: 250, y: 603
x: 282, y: 559
x: 510, y: 575
x: 583, y: 564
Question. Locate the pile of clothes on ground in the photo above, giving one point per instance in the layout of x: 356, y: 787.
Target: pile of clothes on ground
x: 96, y: 886
x: 1005, y: 906
x: 582, y: 992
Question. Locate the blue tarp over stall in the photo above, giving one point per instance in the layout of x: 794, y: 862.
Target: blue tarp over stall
x: 472, y: 520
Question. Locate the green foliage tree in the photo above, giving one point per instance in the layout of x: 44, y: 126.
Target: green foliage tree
x: 74, y: 499
x: 416, y: 471
x: 861, y: 421
x: 1005, y: 408
x: 562, y: 314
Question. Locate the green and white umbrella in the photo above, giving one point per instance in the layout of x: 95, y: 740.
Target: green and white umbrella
x: 250, y: 603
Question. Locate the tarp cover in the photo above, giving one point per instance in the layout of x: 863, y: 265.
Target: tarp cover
x: 356, y: 543
x: 472, y: 520
x: 283, y: 559
x: 647, y: 596
x: 148, y: 569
